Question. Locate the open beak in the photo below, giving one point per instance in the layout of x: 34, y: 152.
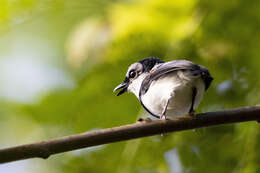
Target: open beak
x: 123, y: 86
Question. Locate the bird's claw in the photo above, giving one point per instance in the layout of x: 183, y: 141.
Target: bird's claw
x: 193, y: 115
x: 144, y: 120
x: 162, y: 117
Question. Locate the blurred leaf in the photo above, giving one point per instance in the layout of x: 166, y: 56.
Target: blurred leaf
x: 101, y: 39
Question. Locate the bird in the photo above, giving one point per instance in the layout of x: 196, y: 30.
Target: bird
x: 166, y: 89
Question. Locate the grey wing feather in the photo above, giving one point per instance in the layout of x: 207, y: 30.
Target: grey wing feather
x: 170, y: 67
x: 174, y: 66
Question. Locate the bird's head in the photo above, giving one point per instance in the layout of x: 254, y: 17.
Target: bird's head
x: 135, y: 74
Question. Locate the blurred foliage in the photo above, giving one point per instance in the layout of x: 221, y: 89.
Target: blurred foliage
x: 94, y: 41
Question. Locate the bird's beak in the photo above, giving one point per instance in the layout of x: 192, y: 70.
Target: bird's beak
x: 123, y: 86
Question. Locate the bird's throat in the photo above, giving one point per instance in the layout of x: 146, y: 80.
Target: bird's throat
x: 134, y: 86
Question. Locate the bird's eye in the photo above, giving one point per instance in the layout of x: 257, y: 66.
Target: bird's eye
x: 132, y: 74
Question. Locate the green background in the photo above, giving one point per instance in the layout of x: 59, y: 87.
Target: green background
x: 60, y: 61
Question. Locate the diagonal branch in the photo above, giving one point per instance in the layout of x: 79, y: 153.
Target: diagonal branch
x: 45, y: 149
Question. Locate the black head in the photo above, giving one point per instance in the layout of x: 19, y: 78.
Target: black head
x: 135, y: 70
x: 149, y: 63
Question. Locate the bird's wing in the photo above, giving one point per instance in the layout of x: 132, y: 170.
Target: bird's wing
x: 168, y: 67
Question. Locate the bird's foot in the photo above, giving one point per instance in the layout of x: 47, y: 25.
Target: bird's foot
x: 163, y: 117
x: 144, y: 120
x: 193, y: 114
x: 190, y: 115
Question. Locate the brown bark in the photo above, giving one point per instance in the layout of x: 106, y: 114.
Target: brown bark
x: 47, y: 148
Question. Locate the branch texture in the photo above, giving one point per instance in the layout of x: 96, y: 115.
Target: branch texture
x: 45, y: 149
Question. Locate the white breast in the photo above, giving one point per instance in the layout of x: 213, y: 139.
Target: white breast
x: 177, y: 88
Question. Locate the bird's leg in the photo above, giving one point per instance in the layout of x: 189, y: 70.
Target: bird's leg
x: 194, y: 93
x: 163, y: 117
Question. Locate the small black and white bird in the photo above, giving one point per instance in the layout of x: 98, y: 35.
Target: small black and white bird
x: 166, y: 89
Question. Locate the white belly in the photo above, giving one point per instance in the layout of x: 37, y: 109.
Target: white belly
x: 177, y: 88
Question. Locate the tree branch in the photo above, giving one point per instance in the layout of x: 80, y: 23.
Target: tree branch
x: 68, y: 143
